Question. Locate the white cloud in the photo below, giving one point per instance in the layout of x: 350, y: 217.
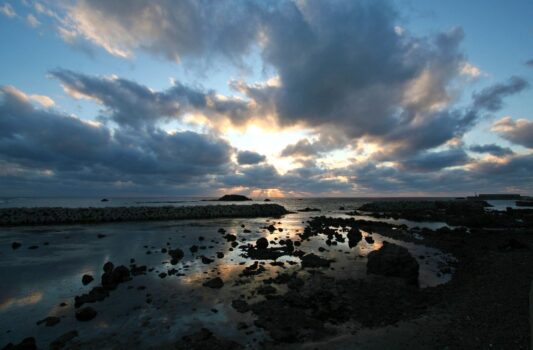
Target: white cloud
x: 33, y: 21
x: 7, y: 10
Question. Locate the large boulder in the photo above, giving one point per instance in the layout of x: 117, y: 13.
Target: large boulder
x: 394, y: 261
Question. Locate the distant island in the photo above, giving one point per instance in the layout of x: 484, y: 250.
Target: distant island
x: 234, y: 198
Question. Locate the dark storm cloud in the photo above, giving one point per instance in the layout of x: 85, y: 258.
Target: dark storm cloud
x: 133, y: 104
x: 491, y: 98
x: 493, y: 149
x: 66, y: 148
x: 518, y: 131
x: 248, y: 158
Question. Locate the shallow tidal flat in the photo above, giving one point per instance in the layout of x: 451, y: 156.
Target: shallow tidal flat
x: 302, y: 280
x: 57, y: 215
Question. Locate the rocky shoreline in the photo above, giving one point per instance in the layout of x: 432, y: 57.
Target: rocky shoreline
x: 57, y: 215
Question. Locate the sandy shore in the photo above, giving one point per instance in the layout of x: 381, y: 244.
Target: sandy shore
x: 54, y: 216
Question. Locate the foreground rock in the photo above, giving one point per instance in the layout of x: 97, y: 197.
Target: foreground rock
x: 26, y: 344
x: 52, y: 216
x: 393, y: 261
x: 204, y: 339
x: 215, y: 283
x: 61, y: 341
x: 86, y: 314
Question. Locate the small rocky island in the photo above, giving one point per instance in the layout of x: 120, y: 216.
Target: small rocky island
x: 233, y: 198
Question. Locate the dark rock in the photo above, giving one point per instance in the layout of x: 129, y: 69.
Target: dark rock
x: 193, y: 249
x: 267, y: 200
x: 234, y: 198
x: 214, y: 283
x: 138, y: 270
x: 240, y: 305
x: 393, y: 261
x: 86, y: 279
x: 162, y: 275
x: 15, y: 245
x: 85, y: 314
x: 26, y: 344
x: 261, y: 243
x: 49, y: 321
x: 246, y: 231
x: 512, y: 244
x: 121, y: 274
x: 369, y: 239
x: 33, y: 247
x: 205, y: 340
x: 108, y: 267
x: 96, y: 294
x: 206, y: 260
x: 104, y: 200
x: 266, y: 290
x: 312, y: 260
x: 176, y: 255
x: 354, y: 236
x: 271, y: 228
x: 61, y: 341
x: 100, y: 236
x: 307, y: 209
x: 220, y: 255
x: 230, y: 238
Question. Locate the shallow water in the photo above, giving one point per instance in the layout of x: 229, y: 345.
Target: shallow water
x: 37, y: 281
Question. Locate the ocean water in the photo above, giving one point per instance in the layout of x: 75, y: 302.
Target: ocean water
x: 36, y: 281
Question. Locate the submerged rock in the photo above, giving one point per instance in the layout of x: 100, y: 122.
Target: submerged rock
x: 393, y: 261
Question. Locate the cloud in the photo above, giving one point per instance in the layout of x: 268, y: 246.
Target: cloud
x: 493, y: 149
x: 171, y: 29
x: 53, y: 147
x: 518, y: 131
x: 529, y: 63
x: 33, y: 21
x: 7, y: 10
x: 436, y: 160
x: 135, y: 105
x: 491, y: 98
x: 248, y: 158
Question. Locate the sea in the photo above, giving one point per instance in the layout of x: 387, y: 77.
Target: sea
x: 42, y: 277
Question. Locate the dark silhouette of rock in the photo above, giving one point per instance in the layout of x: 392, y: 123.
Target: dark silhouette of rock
x: 369, y: 239
x: 49, y: 321
x: 206, y: 260
x: 214, y: 283
x: 26, y: 344
x: 267, y: 200
x: 96, y: 294
x: 354, y: 236
x: 261, y: 243
x: 240, y: 305
x: 234, y: 198
x: 176, y: 255
x: 307, y: 209
x: 230, y: 238
x: 61, y: 341
x: 393, y: 261
x: 86, y: 279
x: 312, y: 260
x: 86, y: 314
x: 205, y: 340
x: 15, y: 245
x: 108, y: 267
x: 104, y: 200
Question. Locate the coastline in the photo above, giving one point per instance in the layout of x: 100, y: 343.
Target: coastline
x: 59, y: 215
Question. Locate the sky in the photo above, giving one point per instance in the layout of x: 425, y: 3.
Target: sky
x: 266, y: 98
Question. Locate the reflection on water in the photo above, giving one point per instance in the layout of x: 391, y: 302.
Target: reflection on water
x: 149, y: 309
x: 30, y: 299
